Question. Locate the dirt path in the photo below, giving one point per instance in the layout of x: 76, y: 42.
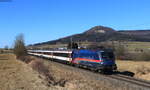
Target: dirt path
x: 16, y: 75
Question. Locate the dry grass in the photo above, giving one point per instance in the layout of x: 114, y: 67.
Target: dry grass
x: 26, y: 59
x: 140, y: 68
x: 16, y: 75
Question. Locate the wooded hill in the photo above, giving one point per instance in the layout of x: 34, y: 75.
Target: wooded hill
x: 101, y: 34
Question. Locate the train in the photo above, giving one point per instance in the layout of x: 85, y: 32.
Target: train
x: 97, y: 60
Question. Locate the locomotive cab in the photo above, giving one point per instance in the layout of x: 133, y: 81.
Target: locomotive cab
x: 97, y: 60
x: 108, y: 60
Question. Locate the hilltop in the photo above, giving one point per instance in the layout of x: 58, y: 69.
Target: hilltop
x: 102, y: 33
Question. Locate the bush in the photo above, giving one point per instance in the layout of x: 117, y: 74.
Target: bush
x: 145, y: 56
x: 94, y: 46
x: 26, y: 59
x: 19, y: 46
x: 39, y: 66
x: 126, y: 56
x: 6, y: 47
x: 72, y: 45
x: 1, y: 51
x: 120, y: 52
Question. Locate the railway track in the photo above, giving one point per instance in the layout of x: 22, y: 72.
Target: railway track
x: 143, y: 84
x: 138, y: 82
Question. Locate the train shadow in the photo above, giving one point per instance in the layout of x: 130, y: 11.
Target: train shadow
x: 127, y: 73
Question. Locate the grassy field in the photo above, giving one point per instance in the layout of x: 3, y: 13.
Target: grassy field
x: 133, y: 46
x: 130, y: 46
x: 141, y: 69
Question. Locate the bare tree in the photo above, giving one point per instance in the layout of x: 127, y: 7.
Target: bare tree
x: 19, y: 46
x: 6, y: 47
x: 72, y: 45
x: 120, y: 51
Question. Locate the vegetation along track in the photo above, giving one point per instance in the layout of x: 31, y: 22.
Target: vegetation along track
x: 117, y: 79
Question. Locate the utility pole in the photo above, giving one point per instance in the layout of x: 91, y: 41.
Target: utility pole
x: 71, y: 42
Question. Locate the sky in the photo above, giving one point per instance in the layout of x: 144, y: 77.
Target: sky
x: 44, y: 20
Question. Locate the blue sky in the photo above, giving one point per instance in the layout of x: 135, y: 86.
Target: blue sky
x: 44, y: 20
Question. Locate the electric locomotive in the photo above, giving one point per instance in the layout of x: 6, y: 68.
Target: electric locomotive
x: 94, y: 59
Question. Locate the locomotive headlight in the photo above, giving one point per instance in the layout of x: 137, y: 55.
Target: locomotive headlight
x: 102, y: 62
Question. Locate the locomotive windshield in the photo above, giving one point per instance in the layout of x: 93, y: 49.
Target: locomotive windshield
x: 107, y: 55
x: 89, y: 56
